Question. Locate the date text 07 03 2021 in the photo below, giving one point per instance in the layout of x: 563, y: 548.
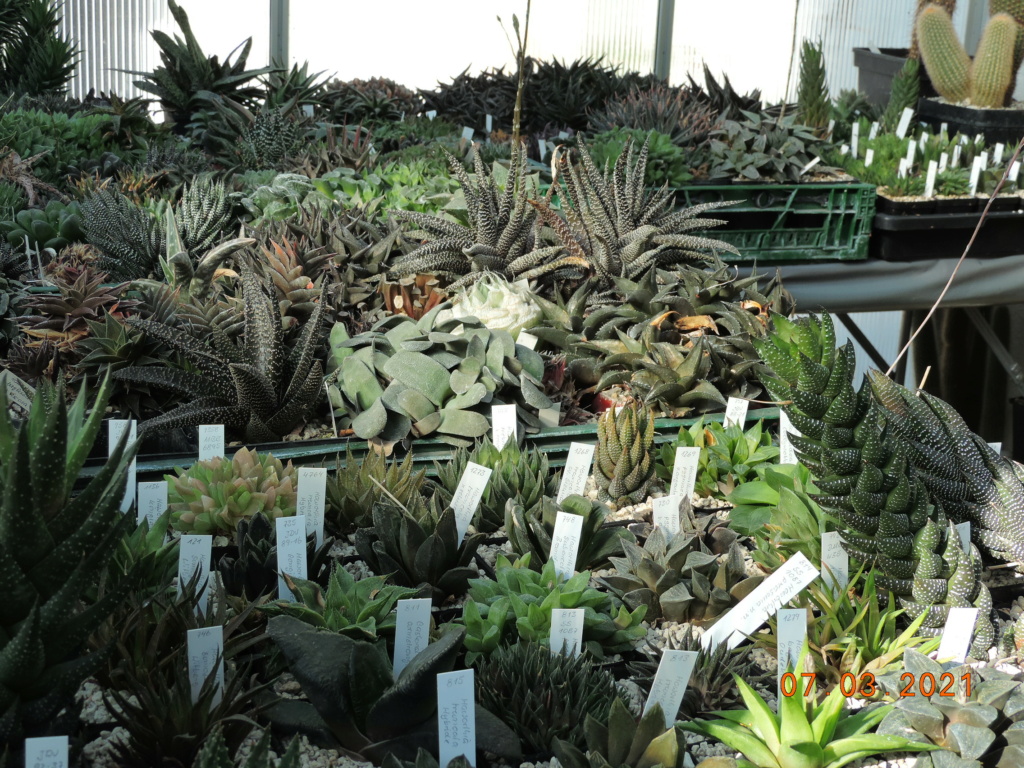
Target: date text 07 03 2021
x: 851, y: 685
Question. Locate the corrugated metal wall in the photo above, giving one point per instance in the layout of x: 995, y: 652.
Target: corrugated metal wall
x: 622, y: 32
x: 113, y: 35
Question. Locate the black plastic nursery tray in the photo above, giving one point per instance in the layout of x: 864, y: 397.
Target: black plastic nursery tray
x: 996, y: 125
x: 553, y: 441
x: 944, y: 235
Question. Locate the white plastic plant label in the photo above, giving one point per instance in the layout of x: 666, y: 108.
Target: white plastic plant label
x: 489, y: 123
x: 291, y: 552
x: 542, y: 149
x: 412, y: 630
x: 753, y: 610
x: 923, y: 140
x: 943, y: 161
x: 565, y: 543
x: 975, y: 175
x: 873, y: 130
x: 431, y: 114
x: 955, y: 160
x: 577, y: 470
x: 869, y: 158
x: 47, y: 752
x: 665, y: 514
x: 929, y: 183
x: 911, y: 153
x: 831, y: 127
x: 787, y: 453
x: 792, y: 626
x: 456, y: 717
x: 984, y: 160
x: 684, y: 472
x: 205, y: 647
x: 527, y: 339
x: 835, y: 562
x: 997, y: 153
x: 902, y: 172
x: 311, y: 499
x: 550, y: 417
x: 670, y: 683
x: 467, y: 133
x: 563, y: 135
x: 152, y: 501
x: 503, y: 425
x: 963, y: 530
x: 844, y: 149
x: 566, y: 631
x: 810, y: 165
x: 467, y: 495
x: 736, y: 412
x: 194, y: 551
x: 943, y: 129
x: 854, y: 139
x: 116, y: 428
x: 1014, y: 175
x: 211, y: 441
x: 997, y: 447
x: 904, y: 123
x: 956, y: 635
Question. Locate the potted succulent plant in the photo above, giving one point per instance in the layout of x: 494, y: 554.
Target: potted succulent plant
x: 976, y: 94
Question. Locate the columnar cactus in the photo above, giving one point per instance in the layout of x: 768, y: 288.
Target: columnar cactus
x: 624, y: 467
x: 988, y: 80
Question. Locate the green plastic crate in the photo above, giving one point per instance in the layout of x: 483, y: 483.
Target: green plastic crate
x: 790, y: 222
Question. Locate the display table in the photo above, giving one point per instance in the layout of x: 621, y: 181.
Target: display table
x: 879, y: 286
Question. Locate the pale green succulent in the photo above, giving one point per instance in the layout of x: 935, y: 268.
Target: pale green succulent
x: 212, y: 496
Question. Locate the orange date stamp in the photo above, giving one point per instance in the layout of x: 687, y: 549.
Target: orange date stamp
x: 864, y: 685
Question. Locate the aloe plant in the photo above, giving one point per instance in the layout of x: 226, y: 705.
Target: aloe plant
x: 804, y: 733
x: 54, y: 549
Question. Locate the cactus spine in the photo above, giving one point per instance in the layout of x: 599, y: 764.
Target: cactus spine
x: 948, y: 64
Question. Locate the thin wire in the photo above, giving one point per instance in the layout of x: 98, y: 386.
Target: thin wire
x: 956, y: 268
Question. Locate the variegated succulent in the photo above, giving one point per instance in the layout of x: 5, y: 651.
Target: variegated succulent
x: 213, y: 496
x: 259, y: 389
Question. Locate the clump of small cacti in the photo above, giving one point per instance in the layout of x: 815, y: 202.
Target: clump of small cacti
x: 213, y: 496
x: 624, y: 465
x: 988, y: 80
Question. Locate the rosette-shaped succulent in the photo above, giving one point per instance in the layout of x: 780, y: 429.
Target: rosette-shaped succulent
x: 213, y: 496
x: 498, y: 304
x: 517, y: 474
x: 680, y: 579
x: 624, y: 466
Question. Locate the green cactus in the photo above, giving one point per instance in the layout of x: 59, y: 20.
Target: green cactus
x: 948, y: 64
x: 992, y: 70
x: 989, y: 80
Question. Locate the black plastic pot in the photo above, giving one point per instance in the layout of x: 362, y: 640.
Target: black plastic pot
x: 875, y: 73
x: 916, y: 206
x: 945, y: 235
x: 996, y: 125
